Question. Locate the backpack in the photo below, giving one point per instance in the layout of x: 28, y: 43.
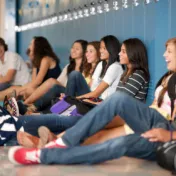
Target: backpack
x: 7, y: 126
x: 166, y: 153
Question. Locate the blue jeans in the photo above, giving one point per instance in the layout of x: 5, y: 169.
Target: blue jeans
x: 46, y: 100
x: 54, y: 122
x: 76, y: 84
x: 4, y: 86
x: 135, y: 113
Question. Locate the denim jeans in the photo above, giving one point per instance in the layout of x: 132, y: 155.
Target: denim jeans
x: 4, y: 86
x: 54, y: 122
x: 135, y: 113
x: 46, y: 100
x: 76, y: 84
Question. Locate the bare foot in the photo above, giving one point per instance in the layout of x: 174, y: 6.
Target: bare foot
x: 27, y: 140
x: 45, y: 136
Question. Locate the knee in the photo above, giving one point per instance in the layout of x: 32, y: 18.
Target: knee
x: 55, y: 87
x: 74, y: 75
x: 121, y: 97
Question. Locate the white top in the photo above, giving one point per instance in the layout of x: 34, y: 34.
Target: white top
x: 63, y: 78
x: 112, y: 78
x: 166, y: 104
x: 15, y: 61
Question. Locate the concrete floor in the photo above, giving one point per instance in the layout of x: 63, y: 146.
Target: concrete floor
x: 121, y: 167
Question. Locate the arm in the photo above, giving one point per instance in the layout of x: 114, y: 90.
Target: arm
x: 62, y: 79
x: 8, y: 77
x: 159, y: 135
x: 114, y: 71
x: 37, y: 79
x: 34, y: 74
x: 97, y: 92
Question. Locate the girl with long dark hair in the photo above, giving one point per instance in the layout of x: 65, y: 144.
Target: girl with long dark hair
x: 45, y: 65
x: 150, y: 127
x: 52, y: 88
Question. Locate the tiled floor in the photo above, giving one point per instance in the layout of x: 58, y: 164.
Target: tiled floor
x: 122, y: 167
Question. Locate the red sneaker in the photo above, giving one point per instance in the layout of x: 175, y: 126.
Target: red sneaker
x: 20, y: 155
x: 54, y: 144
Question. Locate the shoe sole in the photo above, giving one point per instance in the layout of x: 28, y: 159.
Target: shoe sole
x: 43, y: 133
x: 11, y: 154
x: 16, y: 106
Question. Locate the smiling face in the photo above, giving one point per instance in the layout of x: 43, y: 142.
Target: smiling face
x: 170, y: 57
x: 124, y: 60
x: 104, y: 54
x: 76, y: 51
x: 91, y: 54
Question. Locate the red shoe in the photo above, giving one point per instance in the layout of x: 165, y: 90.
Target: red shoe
x: 54, y: 144
x: 20, y: 155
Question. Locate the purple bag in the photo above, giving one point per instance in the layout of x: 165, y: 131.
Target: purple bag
x: 64, y: 108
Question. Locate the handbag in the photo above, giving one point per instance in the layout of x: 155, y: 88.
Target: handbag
x: 72, y: 106
x: 166, y: 155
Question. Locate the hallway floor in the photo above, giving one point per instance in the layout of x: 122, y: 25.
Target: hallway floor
x: 122, y: 167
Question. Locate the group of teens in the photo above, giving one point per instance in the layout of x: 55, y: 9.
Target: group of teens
x: 118, y: 74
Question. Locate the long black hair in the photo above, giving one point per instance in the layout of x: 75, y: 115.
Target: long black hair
x: 72, y: 63
x: 42, y: 48
x: 112, y: 45
x: 137, y: 55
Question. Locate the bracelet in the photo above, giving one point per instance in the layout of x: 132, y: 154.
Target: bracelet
x: 171, y: 135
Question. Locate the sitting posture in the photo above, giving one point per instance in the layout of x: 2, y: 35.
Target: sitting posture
x: 149, y: 126
x: 45, y: 65
x: 13, y: 69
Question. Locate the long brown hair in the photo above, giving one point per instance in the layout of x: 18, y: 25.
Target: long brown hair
x: 163, y: 80
x: 137, y: 55
x: 87, y: 67
x: 42, y: 48
x: 72, y: 63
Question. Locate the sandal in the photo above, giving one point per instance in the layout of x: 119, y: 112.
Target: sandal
x: 10, y: 104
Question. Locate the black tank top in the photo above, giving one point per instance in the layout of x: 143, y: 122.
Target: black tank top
x: 52, y: 73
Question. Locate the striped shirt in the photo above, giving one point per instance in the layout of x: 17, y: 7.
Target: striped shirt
x: 136, y: 85
x: 7, y: 126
